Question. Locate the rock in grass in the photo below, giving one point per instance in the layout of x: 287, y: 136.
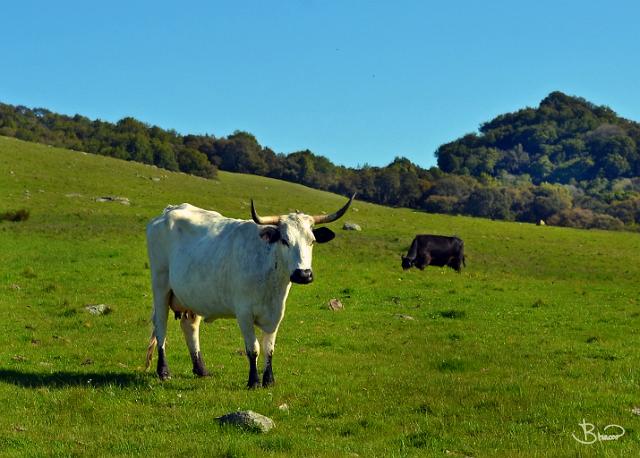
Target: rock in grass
x: 98, y: 309
x: 248, y: 420
x: 122, y: 200
x: 335, y: 305
x: 351, y: 227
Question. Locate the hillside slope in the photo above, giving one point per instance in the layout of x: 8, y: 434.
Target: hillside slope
x: 568, y: 162
x: 505, y: 359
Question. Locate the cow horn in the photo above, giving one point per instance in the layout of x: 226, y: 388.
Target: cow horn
x: 264, y: 220
x: 323, y: 219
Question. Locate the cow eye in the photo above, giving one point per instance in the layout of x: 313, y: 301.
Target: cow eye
x: 284, y: 242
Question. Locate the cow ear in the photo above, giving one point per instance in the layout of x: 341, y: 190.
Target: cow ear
x: 323, y: 234
x: 270, y: 234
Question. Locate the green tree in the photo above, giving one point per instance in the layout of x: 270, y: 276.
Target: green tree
x: 489, y: 203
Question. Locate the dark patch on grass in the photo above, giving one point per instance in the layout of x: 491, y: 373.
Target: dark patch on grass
x: 234, y: 452
x: 604, y: 357
x: 418, y: 440
x: 364, y: 423
x: 50, y: 288
x: 347, y: 432
x: 323, y: 343
x: 70, y: 379
x: 486, y: 404
x: 592, y: 339
x: 453, y: 314
x: 538, y: 303
x: 425, y: 409
x: 331, y: 415
x: 454, y: 337
x: 69, y: 312
x: 18, y: 442
x: 453, y: 365
x: 28, y: 272
x: 276, y: 444
x: 15, y: 216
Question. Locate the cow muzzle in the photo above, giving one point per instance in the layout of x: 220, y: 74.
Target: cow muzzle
x: 302, y: 276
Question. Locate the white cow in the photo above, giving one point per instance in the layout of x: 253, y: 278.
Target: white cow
x: 204, y: 265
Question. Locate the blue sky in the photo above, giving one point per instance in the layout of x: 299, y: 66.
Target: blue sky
x: 355, y: 81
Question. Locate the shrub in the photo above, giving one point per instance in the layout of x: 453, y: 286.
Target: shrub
x: 585, y: 218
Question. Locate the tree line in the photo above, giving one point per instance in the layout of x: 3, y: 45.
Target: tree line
x: 559, y: 163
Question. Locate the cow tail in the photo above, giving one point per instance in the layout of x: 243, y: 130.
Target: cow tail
x: 462, y: 253
x: 150, y: 349
x: 153, y: 341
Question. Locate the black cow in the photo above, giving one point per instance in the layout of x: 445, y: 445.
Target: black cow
x: 435, y: 250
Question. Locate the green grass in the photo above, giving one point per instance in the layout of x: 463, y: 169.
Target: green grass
x: 539, y: 332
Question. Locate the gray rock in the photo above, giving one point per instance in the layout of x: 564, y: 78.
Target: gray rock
x: 351, y: 227
x: 284, y: 407
x: 248, y: 420
x: 335, y: 305
x: 122, y: 200
x: 98, y: 309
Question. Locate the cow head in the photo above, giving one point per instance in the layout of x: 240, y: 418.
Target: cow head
x: 407, y: 262
x: 295, y: 235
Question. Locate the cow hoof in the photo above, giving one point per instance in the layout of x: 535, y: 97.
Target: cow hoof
x: 253, y: 385
x: 198, y: 365
x: 268, y: 381
x: 201, y: 373
x: 164, y: 375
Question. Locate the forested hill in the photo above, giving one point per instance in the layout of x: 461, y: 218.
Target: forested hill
x: 567, y: 162
x: 565, y: 140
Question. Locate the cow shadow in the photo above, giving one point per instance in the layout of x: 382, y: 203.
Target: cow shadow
x: 63, y: 379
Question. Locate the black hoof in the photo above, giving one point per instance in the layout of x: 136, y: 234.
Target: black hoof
x: 201, y: 372
x: 164, y: 375
x: 268, y: 381
x: 198, y: 365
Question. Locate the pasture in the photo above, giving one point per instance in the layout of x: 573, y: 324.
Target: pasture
x: 537, y: 334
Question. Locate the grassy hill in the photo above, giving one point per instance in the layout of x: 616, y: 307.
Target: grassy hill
x: 505, y: 359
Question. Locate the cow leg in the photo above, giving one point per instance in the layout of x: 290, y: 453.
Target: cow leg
x: 162, y: 368
x: 190, y: 324
x: 160, y: 317
x: 268, y: 346
x: 423, y: 261
x: 252, y: 348
x: 160, y: 322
